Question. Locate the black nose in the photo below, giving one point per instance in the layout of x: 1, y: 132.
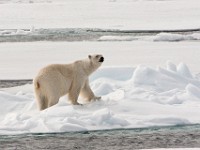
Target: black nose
x: 101, y: 59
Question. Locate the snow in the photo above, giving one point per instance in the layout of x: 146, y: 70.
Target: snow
x: 23, y: 60
x: 117, y: 14
x: 141, y: 96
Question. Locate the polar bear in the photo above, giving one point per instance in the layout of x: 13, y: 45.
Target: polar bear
x: 57, y: 80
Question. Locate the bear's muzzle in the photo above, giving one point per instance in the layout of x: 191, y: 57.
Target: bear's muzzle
x: 101, y: 59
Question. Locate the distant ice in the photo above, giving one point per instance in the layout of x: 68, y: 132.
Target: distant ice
x: 16, y: 32
x: 117, y: 38
x: 103, y: 14
x: 160, y: 37
x: 170, y: 37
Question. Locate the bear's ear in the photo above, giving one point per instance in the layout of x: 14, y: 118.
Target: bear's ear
x: 89, y: 56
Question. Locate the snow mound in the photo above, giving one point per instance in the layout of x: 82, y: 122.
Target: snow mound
x: 132, y: 97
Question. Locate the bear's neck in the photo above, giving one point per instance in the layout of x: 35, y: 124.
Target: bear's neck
x: 89, y: 67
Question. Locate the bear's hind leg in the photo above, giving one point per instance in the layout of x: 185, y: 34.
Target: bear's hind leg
x: 41, y: 100
x: 52, y: 101
x: 42, y: 103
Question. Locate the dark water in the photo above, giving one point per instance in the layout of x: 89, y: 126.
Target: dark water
x: 77, y: 34
x: 186, y: 136
x: 12, y: 83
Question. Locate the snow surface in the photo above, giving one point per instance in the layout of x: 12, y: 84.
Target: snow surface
x: 107, y: 14
x: 23, y: 60
x: 139, y: 97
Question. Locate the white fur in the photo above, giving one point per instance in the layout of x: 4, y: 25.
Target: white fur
x: 57, y: 80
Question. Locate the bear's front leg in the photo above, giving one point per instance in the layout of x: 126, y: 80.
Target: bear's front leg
x: 74, y: 93
x: 87, y: 93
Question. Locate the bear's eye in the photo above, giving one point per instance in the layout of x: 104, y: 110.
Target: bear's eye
x: 97, y: 56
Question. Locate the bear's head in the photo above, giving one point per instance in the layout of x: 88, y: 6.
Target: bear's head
x: 96, y: 59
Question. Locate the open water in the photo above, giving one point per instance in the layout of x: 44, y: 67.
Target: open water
x: 186, y: 136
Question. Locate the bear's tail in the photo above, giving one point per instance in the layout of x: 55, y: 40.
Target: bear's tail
x: 36, y: 84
